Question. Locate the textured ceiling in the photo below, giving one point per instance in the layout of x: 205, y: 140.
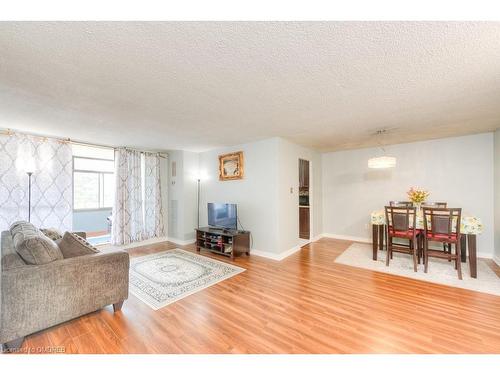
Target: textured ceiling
x: 199, y: 85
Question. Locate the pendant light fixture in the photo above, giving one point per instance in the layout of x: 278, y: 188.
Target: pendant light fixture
x: 381, y: 162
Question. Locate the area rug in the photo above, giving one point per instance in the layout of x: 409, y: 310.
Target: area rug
x: 162, y: 278
x: 440, y: 270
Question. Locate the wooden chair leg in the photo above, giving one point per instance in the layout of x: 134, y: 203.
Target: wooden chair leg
x: 418, y: 249
x: 458, y: 251
x: 414, y: 253
x: 426, y: 256
x: 389, y: 250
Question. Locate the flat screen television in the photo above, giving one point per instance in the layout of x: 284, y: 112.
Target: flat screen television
x: 222, y: 215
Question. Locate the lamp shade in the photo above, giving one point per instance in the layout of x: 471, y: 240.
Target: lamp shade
x: 27, y: 164
x: 200, y: 175
x: 382, y: 162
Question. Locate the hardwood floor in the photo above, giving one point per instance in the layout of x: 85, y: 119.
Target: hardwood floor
x: 303, y: 304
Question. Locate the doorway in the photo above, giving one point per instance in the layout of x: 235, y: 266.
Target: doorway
x: 304, y: 200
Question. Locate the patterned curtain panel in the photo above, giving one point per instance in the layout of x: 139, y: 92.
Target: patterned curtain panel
x: 128, y: 222
x: 51, y: 183
x: 153, y: 211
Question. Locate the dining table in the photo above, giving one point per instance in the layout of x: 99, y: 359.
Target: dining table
x: 470, y: 227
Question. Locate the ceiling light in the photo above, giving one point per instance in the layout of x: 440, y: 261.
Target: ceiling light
x: 381, y: 162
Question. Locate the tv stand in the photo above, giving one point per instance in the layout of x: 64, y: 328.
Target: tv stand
x: 225, y: 242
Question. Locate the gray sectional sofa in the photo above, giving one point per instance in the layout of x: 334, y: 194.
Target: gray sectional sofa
x: 40, y: 287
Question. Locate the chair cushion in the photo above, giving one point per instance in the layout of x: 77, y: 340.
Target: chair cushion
x: 72, y: 245
x: 442, y: 236
x: 400, y: 233
x: 32, y: 245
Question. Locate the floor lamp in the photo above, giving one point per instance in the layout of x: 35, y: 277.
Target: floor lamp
x: 30, y: 168
x: 199, y: 177
x: 29, y: 196
x: 198, y: 216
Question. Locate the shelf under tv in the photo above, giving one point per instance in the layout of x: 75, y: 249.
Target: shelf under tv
x: 223, y: 242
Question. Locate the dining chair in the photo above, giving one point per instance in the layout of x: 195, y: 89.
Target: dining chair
x: 400, y: 204
x: 446, y: 247
x: 442, y: 225
x: 401, y: 223
x: 435, y: 204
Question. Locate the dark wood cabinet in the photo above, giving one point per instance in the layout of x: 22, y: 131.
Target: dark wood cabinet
x: 304, y: 227
x: 223, y: 242
x: 303, y: 173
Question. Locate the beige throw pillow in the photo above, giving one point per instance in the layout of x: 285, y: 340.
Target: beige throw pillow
x: 33, y: 246
x: 72, y: 245
x: 52, y: 233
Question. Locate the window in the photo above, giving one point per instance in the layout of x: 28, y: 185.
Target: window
x: 93, y: 178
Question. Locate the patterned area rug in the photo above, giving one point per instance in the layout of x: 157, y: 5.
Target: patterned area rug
x: 162, y: 278
x: 440, y: 270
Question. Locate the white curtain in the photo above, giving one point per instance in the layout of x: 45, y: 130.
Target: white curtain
x: 153, y: 211
x: 50, y: 160
x: 128, y: 225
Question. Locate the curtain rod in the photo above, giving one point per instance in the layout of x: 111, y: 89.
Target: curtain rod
x: 10, y: 132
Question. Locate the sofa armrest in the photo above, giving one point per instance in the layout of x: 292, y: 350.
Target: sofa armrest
x: 38, y: 297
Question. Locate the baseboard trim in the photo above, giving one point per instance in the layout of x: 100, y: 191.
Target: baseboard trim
x: 135, y: 244
x: 180, y: 242
x: 149, y: 241
x: 347, y: 238
x: 485, y: 255
x: 289, y: 252
x: 318, y: 237
x: 264, y: 254
x: 274, y: 256
x: 496, y: 259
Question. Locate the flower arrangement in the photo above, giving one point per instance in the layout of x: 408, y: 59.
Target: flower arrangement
x: 417, y: 195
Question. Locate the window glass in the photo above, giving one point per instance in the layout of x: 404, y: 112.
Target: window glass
x: 86, y: 190
x: 108, y: 190
x: 93, y: 152
x: 94, y: 165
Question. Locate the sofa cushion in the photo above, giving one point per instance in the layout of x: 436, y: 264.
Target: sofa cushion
x: 52, y: 233
x: 19, y: 226
x: 10, y: 258
x: 33, y: 246
x: 72, y: 245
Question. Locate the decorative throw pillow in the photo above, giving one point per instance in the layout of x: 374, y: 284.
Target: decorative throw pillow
x: 52, y: 233
x: 33, y: 246
x: 72, y: 245
x: 20, y: 226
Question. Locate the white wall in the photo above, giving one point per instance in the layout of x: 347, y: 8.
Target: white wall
x: 265, y: 205
x: 175, y: 195
x: 256, y: 194
x: 497, y: 194
x: 190, y: 168
x: 288, y: 206
x: 182, y: 195
x: 455, y: 170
